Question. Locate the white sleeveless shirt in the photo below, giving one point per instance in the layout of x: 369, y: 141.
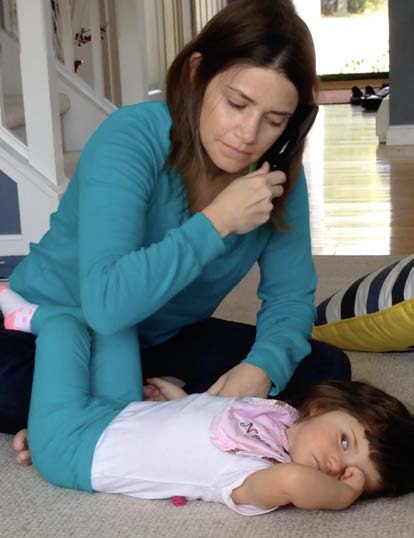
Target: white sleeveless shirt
x: 157, y: 450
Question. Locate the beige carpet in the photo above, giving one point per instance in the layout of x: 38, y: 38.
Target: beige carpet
x: 31, y: 507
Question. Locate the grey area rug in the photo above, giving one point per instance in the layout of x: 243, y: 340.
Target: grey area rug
x: 29, y: 507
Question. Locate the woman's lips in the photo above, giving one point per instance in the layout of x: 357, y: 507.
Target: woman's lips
x: 236, y: 151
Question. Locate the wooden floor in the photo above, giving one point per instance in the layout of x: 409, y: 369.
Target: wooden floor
x: 361, y: 192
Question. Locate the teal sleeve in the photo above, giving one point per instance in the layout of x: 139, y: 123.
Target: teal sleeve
x: 123, y: 281
x: 286, y: 289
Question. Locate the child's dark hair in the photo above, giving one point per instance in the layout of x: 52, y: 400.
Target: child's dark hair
x: 388, y: 425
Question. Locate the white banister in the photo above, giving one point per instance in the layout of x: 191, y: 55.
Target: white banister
x: 9, y: 16
x: 178, y: 27
x: 170, y: 38
x: 132, y: 51
x: 39, y: 84
x: 97, y: 62
x: 113, y: 93
x: 65, y: 17
x: 1, y: 96
x: 205, y: 10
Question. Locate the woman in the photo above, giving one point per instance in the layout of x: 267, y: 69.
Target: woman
x: 165, y: 214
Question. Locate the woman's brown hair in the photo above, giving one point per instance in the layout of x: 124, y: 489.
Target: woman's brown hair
x: 388, y: 426
x: 263, y: 33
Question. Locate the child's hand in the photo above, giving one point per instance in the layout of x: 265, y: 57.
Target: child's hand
x: 160, y: 389
x: 354, y: 478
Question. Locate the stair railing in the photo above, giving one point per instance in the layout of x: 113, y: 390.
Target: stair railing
x: 39, y: 88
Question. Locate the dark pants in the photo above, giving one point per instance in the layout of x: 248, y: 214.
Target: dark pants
x: 198, y: 355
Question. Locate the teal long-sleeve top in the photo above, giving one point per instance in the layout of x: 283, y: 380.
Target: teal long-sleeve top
x: 124, y: 247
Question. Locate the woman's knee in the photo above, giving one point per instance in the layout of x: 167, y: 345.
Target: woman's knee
x: 63, y: 324
x: 331, y: 360
x: 17, y: 352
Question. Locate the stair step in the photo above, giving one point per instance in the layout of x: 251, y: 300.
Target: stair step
x: 14, y: 109
x: 70, y: 160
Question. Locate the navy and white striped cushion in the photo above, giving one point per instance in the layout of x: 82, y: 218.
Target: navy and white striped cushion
x: 371, y: 293
x: 378, y: 305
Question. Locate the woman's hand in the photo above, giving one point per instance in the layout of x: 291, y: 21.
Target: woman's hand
x: 246, y: 203
x: 242, y: 380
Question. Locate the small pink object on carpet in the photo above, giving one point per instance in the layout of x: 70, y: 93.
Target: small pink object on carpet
x: 179, y: 501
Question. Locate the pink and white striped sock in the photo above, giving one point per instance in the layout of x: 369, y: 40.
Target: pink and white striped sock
x: 20, y: 319
x: 17, y: 311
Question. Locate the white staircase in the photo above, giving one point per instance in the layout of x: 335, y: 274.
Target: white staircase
x: 14, y: 120
x: 48, y: 112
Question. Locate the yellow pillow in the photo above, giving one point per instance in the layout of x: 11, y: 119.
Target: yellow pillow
x: 375, y: 313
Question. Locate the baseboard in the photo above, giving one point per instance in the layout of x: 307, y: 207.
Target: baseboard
x: 400, y: 135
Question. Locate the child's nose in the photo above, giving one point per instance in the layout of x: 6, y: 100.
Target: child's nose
x: 334, y: 466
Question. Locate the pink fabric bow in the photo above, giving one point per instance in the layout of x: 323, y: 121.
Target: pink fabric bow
x: 254, y: 427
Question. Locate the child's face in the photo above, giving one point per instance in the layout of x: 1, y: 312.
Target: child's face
x: 331, y: 442
x: 245, y: 109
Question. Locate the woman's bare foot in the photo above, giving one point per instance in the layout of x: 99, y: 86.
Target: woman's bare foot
x: 21, y: 446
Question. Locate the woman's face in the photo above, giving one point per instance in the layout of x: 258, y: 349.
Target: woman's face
x: 245, y: 109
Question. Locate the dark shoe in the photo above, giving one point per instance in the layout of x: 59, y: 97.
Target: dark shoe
x: 369, y: 90
x: 356, y: 97
x: 372, y: 102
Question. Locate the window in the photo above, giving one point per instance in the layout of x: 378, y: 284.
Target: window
x: 351, y: 36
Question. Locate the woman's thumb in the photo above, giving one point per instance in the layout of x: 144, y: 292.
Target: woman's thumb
x: 264, y: 169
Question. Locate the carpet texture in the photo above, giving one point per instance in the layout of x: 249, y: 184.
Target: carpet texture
x: 29, y: 507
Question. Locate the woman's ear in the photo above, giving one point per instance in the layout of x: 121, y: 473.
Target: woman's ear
x: 313, y: 411
x: 194, y: 62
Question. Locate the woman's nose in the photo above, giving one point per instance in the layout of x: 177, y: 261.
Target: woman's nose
x: 248, y: 130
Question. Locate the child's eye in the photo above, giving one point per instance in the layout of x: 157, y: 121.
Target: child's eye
x: 344, y: 442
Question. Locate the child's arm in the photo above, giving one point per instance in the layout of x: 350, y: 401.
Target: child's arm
x: 302, y: 486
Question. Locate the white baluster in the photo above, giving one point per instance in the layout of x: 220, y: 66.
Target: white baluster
x: 132, y: 51
x: 39, y: 83
x: 67, y: 33
x: 1, y: 95
x: 95, y: 22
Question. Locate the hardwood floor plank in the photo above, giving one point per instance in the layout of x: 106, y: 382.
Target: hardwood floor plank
x: 360, y: 192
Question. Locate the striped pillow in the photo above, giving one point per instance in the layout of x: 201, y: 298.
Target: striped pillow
x: 374, y: 313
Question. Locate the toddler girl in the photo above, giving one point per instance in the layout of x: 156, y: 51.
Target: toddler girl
x: 252, y: 454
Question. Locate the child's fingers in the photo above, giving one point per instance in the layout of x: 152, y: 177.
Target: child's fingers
x: 150, y: 392
x: 168, y: 390
x: 157, y: 382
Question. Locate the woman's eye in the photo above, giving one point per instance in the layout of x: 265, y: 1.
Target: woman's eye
x: 273, y: 123
x: 237, y: 106
x: 344, y: 442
